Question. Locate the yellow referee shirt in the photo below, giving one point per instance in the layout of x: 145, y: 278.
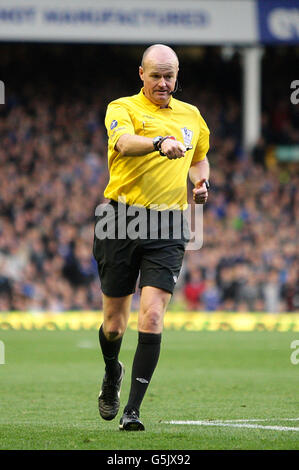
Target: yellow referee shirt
x: 152, y: 180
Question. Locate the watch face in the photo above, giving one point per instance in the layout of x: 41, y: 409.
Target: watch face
x: 156, y: 140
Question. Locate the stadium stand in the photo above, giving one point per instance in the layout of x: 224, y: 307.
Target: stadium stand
x: 54, y: 171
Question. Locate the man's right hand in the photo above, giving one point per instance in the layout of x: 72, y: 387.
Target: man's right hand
x: 173, y: 149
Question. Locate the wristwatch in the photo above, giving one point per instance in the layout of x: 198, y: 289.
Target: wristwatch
x: 207, y: 184
x: 156, y: 142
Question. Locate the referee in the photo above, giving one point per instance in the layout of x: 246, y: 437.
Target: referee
x: 155, y: 142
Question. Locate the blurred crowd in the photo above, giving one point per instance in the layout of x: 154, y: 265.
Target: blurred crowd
x: 53, y: 174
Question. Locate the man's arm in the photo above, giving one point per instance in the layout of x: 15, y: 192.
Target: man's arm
x: 134, y: 145
x: 138, y: 145
x: 199, y: 172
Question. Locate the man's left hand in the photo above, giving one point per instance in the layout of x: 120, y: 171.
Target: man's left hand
x: 200, y: 192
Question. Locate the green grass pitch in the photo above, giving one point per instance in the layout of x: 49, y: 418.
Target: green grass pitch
x: 51, y: 379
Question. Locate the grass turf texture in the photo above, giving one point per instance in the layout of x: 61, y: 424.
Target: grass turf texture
x: 51, y: 379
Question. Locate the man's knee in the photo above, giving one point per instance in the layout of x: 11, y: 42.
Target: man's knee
x: 152, y: 318
x: 116, y: 313
x: 112, y: 333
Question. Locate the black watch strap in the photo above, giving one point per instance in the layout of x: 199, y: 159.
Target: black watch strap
x: 207, y: 184
x: 156, y: 143
x: 161, y: 141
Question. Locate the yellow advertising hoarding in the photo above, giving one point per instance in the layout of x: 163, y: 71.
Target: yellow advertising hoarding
x: 190, y: 321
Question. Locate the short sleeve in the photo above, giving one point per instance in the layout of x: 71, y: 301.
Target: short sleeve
x: 203, y: 143
x: 118, y: 122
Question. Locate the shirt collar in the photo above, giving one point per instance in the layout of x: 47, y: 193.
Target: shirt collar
x: 154, y: 106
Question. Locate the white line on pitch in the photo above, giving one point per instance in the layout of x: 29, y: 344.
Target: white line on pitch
x: 259, y: 419
x: 233, y: 425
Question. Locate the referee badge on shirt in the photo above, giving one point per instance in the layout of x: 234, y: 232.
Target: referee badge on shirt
x: 187, y: 136
x: 113, y: 124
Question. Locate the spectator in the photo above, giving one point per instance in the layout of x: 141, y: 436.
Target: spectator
x: 228, y: 289
x: 271, y: 292
x: 290, y: 291
x: 193, y: 289
x: 249, y: 291
x: 211, y: 296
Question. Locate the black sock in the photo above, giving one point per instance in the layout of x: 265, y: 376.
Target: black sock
x: 144, y: 364
x: 110, y: 351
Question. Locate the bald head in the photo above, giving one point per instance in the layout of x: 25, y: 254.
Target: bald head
x: 159, y: 54
x: 158, y: 71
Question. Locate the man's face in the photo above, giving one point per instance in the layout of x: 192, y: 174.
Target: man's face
x: 158, y: 81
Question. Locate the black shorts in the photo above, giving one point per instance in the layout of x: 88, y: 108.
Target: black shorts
x: 155, y: 250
